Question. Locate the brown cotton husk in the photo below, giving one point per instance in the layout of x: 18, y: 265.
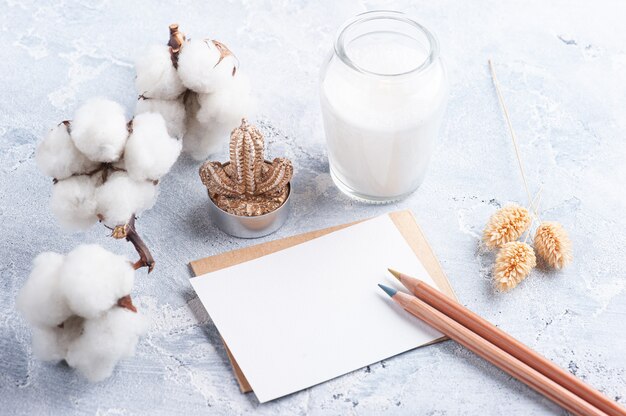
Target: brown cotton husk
x: 514, y: 262
x: 506, y: 225
x: 126, y: 302
x: 553, y: 244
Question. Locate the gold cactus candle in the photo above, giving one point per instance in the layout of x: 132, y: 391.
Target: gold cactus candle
x: 247, y: 185
x: 382, y: 91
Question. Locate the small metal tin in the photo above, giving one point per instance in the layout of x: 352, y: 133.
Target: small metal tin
x: 250, y: 227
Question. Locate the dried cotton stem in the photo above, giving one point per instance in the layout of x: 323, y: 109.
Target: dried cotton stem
x: 129, y: 232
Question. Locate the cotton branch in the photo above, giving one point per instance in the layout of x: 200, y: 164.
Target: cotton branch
x: 129, y: 232
x: 195, y: 84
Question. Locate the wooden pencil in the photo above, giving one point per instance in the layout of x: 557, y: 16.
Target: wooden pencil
x: 483, y: 348
x: 504, y: 341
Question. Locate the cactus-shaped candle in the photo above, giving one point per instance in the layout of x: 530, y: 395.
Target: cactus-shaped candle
x: 247, y: 185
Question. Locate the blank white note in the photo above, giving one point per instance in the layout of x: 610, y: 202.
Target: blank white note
x: 312, y: 312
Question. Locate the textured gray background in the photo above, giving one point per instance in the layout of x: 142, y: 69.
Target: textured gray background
x: 563, y: 67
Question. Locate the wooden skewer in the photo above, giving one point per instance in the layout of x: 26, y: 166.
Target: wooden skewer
x: 507, y: 343
x: 506, y: 362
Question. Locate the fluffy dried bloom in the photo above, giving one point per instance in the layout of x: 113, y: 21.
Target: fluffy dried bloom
x: 107, y: 169
x: 195, y: 84
x: 506, y: 225
x: 99, y: 130
x: 58, y: 157
x: 80, y: 309
x: 514, y: 262
x: 553, y: 244
x: 99, y: 147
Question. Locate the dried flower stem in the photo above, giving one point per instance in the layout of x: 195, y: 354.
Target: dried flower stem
x: 533, y: 208
x: 496, y: 84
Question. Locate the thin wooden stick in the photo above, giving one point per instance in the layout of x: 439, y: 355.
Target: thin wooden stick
x: 496, y: 356
x: 507, y: 343
x: 533, y: 210
x: 496, y: 84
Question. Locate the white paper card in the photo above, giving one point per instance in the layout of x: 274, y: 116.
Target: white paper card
x: 312, y: 312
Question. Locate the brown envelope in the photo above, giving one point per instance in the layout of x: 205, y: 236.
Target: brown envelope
x: 404, y: 220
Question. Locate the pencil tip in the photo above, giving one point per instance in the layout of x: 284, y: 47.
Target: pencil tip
x: 395, y: 273
x: 388, y: 290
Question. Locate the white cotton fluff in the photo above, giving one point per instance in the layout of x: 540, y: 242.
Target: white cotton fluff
x: 99, y: 130
x: 197, y: 66
x: 58, y: 157
x: 72, y: 303
x: 105, y: 341
x: 41, y: 300
x: 203, y: 140
x: 228, y: 105
x: 73, y: 202
x: 51, y: 343
x: 93, y: 279
x: 156, y: 75
x: 173, y: 111
x: 120, y: 197
x: 47, y: 344
x: 150, y: 151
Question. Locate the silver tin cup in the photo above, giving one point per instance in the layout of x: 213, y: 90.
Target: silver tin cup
x: 250, y: 227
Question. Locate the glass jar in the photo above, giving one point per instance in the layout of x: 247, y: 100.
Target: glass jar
x: 383, y: 91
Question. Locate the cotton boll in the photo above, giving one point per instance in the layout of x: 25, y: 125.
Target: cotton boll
x: 150, y: 152
x: 202, y: 140
x: 40, y: 300
x: 93, y: 279
x: 73, y: 202
x: 47, y: 344
x: 198, y: 66
x: 173, y: 111
x: 105, y: 341
x: 120, y: 197
x: 51, y: 343
x: 58, y: 157
x: 99, y: 130
x: 156, y: 75
x: 228, y: 105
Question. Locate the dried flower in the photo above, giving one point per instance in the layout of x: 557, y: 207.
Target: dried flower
x: 105, y: 168
x: 80, y: 309
x: 553, y: 244
x: 506, y: 225
x: 514, y: 262
x: 195, y: 84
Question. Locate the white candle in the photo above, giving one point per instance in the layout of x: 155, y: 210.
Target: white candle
x: 382, y: 103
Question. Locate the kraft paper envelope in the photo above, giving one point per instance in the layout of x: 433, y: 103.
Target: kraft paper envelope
x: 404, y: 222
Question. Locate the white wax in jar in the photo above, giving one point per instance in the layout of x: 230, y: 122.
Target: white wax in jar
x: 381, y: 129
